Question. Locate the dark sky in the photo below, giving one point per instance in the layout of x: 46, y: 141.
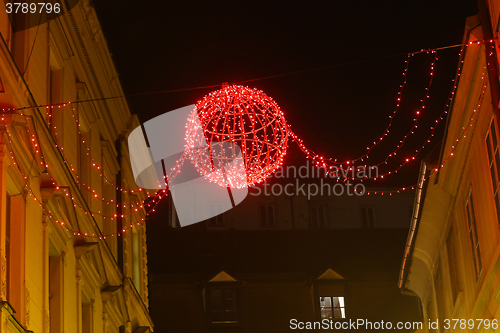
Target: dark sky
x: 338, y: 111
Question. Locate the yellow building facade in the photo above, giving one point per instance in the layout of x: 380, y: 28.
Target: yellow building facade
x: 452, y: 258
x: 72, y: 233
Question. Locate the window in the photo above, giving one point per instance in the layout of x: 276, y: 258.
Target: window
x: 18, y: 44
x: 332, y: 307
x: 439, y: 295
x: 7, y: 247
x: 218, y: 220
x: 136, y: 259
x: 330, y: 294
x: 494, y: 164
x: 452, y: 262
x: 367, y: 217
x: 55, y: 116
x: 474, y: 241
x: 109, y: 192
x: 15, y: 246
x: 267, y: 216
x: 56, y: 292
x: 317, y: 216
x: 222, y: 304
x: 87, y: 316
x: 85, y: 162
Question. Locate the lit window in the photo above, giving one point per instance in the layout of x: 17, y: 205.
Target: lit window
x: 367, y: 217
x: 474, y: 241
x: 267, y: 216
x: 222, y: 305
x: 332, y: 307
x: 494, y: 164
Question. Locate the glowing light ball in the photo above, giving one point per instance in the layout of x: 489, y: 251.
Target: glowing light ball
x: 237, y: 136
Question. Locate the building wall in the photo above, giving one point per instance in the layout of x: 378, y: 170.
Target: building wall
x: 296, y: 211
x: 279, y: 275
x: 270, y: 304
x: 453, y: 271
x: 72, y: 237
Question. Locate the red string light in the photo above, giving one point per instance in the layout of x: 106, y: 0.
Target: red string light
x: 398, y: 103
x: 263, y: 145
x: 243, y: 128
x: 94, y: 165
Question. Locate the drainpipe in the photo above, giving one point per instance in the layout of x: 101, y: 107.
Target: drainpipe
x: 412, y: 234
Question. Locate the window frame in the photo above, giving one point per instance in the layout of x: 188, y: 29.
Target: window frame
x: 493, y: 155
x: 217, y: 221
x: 439, y: 292
x: 365, y: 221
x: 339, y: 289
x: 8, y: 249
x: 265, y: 222
x: 453, y: 270
x: 473, y: 236
x: 209, y: 306
x: 341, y: 302
x: 317, y: 223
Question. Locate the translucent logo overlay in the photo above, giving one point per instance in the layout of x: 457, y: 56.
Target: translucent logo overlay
x: 160, y: 159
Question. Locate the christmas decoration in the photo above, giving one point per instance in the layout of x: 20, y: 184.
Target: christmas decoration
x: 231, y: 129
x: 237, y: 136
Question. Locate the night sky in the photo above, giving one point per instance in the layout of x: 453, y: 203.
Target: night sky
x: 350, y: 57
x: 338, y: 110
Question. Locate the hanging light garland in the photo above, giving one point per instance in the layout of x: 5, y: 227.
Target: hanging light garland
x: 246, y: 135
x: 246, y: 118
x: 251, y: 120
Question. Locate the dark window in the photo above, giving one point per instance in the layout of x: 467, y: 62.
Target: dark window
x: 267, y: 216
x: 367, y: 217
x: 217, y: 220
x: 473, y: 238
x: 317, y: 216
x: 223, y: 305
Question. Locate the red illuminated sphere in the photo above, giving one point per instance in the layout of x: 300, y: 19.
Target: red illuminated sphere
x: 237, y: 136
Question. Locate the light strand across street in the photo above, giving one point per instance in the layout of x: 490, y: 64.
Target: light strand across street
x: 267, y: 142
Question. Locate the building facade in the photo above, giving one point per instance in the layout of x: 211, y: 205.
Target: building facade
x: 72, y: 237
x: 310, y: 203
x: 452, y: 257
x: 278, y: 280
